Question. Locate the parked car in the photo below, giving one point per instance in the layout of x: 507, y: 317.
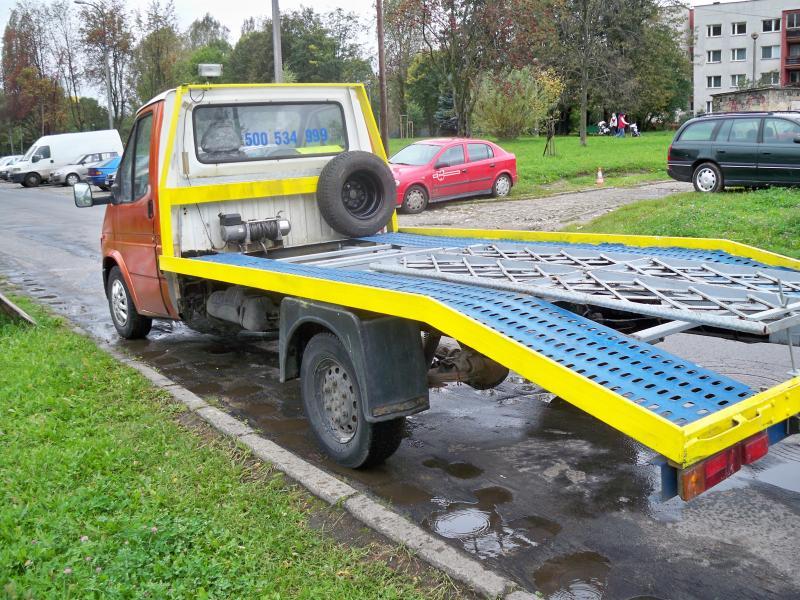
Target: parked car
x: 449, y: 168
x: 51, y: 152
x: 738, y: 149
x: 98, y: 174
x: 79, y: 168
x: 5, y: 164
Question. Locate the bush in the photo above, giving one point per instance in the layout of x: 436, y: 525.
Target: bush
x: 515, y: 101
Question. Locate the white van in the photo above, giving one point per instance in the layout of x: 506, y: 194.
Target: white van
x: 52, y: 152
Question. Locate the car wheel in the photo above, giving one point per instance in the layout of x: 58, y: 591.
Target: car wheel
x: 32, y: 180
x: 356, y: 193
x: 71, y: 179
x: 707, y: 178
x: 127, y: 321
x: 415, y: 200
x: 333, y: 405
x: 502, y: 186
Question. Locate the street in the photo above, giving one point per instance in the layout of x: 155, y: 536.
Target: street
x: 542, y: 492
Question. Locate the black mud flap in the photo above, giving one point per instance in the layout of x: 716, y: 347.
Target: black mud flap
x: 386, y: 353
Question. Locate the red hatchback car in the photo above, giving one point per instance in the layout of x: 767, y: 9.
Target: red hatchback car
x: 448, y: 168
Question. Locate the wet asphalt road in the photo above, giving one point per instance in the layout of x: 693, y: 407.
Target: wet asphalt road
x: 537, y: 489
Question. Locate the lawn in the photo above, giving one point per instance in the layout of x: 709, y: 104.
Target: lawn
x: 637, y: 159
x: 105, y: 494
x: 769, y: 219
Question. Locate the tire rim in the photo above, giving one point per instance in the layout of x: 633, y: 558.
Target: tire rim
x: 119, y: 303
x: 72, y: 179
x: 361, y: 196
x: 338, y: 398
x: 503, y: 186
x: 415, y: 199
x: 706, y: 179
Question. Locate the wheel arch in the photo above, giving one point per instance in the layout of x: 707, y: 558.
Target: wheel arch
x: 114, y: 259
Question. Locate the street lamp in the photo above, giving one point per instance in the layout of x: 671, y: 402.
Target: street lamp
x: 102, y: 9
x: 754, y: 35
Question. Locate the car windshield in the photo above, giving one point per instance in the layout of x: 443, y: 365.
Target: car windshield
x: 107, y: 163
x: 29, y: 153
x: 415, y: 154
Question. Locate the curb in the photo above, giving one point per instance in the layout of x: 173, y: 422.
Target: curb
x: 332, y: 490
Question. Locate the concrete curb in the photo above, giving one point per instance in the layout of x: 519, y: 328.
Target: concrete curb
x: 334, y: 491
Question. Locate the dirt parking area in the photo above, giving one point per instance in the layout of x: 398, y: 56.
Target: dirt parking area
x: 542, y: 214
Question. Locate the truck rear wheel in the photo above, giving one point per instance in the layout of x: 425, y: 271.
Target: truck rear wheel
x: 356, y: 193
x: 335, y: 411
x: 127, y: 321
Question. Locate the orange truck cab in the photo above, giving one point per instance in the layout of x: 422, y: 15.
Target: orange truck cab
x: 270, y: 208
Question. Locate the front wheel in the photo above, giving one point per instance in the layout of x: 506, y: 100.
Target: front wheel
x: 31, y: 180
x: 415, y: 200
x: 333, y: 405
x: 127, y: 321
x: 502, y: 186
x: 707, y: 178
x: 71, y: 179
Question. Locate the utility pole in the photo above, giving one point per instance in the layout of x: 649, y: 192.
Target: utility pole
x: 277, y: 58
x: 103, y: 13
x: 754, y: 35
x: 383, y: 117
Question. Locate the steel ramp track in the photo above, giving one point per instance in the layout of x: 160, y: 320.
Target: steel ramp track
x: 666, y: 385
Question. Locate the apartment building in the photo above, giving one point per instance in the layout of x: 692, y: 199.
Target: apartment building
x: 736, y: 43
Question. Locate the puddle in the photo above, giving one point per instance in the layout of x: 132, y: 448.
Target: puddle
x: 403, y: 494
x: 206, y: 388
x: 460, y: 470
x: 580, y: 576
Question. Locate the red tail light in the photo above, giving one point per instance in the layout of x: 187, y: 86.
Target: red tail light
x: 669, y: 153
x: 94, y: 172
x: 706, y: 474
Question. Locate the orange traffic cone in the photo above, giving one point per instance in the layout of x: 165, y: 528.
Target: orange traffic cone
x: 600, y: 180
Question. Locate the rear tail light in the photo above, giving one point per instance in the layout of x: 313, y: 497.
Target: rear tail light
x: 706, y: 474
x: 94, y: 172
x: 669, y: 153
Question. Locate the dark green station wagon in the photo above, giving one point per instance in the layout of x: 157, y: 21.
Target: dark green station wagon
x: 738, y: 149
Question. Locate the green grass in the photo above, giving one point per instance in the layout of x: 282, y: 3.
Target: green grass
x: 104, y: 494
x: 769, y: 219
x: 626, y: 161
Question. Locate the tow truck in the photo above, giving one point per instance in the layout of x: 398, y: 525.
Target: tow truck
x: 270, y: 208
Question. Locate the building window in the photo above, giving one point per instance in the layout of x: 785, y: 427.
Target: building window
x: 769, y: 52
x: 714, y: 81
x: 794, y: 77
x: 713, y: 30
x: 738, y: 54
x: 709, y: 106
x: 738, y: 28
x: 738, y: 80
x: 792, y: 20
x: 794, y: 51
x: 714, y: 56
x: 768, y: 25
x: 771, y: 78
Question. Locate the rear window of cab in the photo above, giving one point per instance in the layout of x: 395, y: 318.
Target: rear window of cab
x: 268, y: 131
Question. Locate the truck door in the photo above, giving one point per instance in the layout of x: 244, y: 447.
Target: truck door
x: 135, y: 223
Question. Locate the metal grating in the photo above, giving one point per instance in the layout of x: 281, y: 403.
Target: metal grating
x: 430, y: 241
x: 662, y: 383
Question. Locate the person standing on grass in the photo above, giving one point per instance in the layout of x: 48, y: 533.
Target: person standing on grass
x: 622, y: 123
x: 612, y: 123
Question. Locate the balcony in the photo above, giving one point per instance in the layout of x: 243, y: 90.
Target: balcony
x: 792, y: 33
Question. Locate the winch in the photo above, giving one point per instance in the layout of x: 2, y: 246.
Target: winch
x: 235, y: 230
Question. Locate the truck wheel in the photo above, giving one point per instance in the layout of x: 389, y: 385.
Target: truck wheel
x: 71, y: 179
x: 32, y: 180
x: 707, y: 178
x: 332, y: 403
x: 415, y: 200
x: 356, y: 193
x: 128, y: 323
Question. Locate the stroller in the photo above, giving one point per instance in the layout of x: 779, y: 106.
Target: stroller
x: 634, y: 130
x: 603, y: 128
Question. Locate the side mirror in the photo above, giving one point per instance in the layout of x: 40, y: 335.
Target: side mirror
x: 115, y: 192
x: 35, y: 159
x: 797, y: 139
x: 82, y: 193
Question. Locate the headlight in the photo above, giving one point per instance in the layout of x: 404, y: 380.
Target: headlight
x: 15, y: 169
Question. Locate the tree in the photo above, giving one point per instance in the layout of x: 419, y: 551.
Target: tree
x: 108, y: 33
x: 156, y: 56
x: 425, y: 84
x: 513, y: 101
x: 403, y: 44
x: 63, y: 30
x: 207, y: 32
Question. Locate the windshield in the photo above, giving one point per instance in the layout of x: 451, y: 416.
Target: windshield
x: 29, y: 153
x: 415, y: 154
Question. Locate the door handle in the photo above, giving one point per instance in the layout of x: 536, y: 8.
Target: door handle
x: 463, y: 170
x: 766, y: 153
x: 492, y: 166
x: 720, y: 151
x: 149, y: 209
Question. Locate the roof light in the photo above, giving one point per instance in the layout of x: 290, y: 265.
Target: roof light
x: 209, y: 70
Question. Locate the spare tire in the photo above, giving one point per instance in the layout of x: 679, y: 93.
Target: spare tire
x: 356, y: 193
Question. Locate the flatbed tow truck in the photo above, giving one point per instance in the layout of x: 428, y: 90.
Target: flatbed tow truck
x: 270, y: 208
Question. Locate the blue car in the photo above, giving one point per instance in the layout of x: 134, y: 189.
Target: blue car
x: 97, y: 174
